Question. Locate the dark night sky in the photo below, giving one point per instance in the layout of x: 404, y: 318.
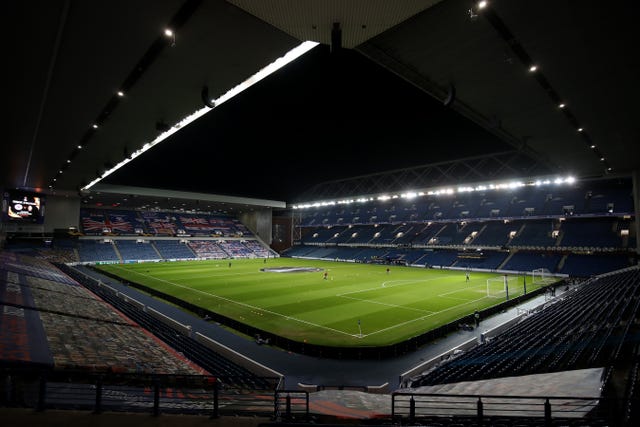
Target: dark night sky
x: 323, y: 117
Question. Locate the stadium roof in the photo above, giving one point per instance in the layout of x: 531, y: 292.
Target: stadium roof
x: 392, y: 85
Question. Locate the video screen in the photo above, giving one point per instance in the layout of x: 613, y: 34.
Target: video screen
x: 22, y: 206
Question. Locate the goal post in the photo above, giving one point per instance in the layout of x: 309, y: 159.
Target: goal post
x: 498, y: 287
x: 541, y: 276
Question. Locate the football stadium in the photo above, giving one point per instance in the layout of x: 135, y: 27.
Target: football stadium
x: 275, y: 213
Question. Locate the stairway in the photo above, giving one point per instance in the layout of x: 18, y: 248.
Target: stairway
x: 560, y: 264
x: 503, y: 263
x: 156, y: 251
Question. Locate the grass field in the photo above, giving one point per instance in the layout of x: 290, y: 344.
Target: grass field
x: 356, y: 305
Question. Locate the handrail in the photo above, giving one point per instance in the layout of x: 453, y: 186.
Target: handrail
x: 412, y: 406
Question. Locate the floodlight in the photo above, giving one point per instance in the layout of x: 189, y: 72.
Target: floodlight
x: 261, y: 74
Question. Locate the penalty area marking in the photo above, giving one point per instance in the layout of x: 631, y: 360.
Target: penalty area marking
x: 394, y: 283
x: 403, y: 283
x: 387, y: 304
x: 422, y: 318
x: 465, y: 289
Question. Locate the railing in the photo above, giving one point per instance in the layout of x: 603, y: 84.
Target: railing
x: 481, y: 409
x: 155, y: 394
x: 290, y: 405
x: 204, y: 395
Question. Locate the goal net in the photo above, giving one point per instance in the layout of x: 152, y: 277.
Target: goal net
x: 499, y: 286
x: 541, y: 276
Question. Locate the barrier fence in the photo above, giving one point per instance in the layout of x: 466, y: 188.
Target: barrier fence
x: 155, y: 394
x: 205, y: 395
x: 487, y: 409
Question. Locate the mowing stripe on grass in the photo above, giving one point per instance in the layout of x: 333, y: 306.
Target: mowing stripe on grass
x: 446, y: 294
x: 358, y: 294
x: 397, y: 283
x: 387, y: 304
x: 422, y: 318
x: 243, y: 304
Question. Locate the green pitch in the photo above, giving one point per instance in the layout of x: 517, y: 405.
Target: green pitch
x: 355, y: 305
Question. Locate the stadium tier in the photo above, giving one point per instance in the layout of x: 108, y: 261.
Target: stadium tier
x: 133, y: 250
x: 573, y: 333
x: 185, y: 345
x: 97, y: 250
x: 582, y: 229
x: 207, y: 249
x: 58, y: 324
x: 108, y: 236
x: 522, y: 261
x: 174, y: 249
x: 98, y: 222
x: 591, y: 232
x: 585, y: 198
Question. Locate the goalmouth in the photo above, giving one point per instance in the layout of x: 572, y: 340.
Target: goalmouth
x: 542, y: 276
x: 498, y: 287
x: 508, y: 285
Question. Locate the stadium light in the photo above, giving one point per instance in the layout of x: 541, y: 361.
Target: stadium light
x: 507, y: 185
x: 290, y: 56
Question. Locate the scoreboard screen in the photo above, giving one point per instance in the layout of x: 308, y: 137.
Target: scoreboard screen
x: 23, y: 206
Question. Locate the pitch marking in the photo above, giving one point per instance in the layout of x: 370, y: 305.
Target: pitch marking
x: 245, y: 304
